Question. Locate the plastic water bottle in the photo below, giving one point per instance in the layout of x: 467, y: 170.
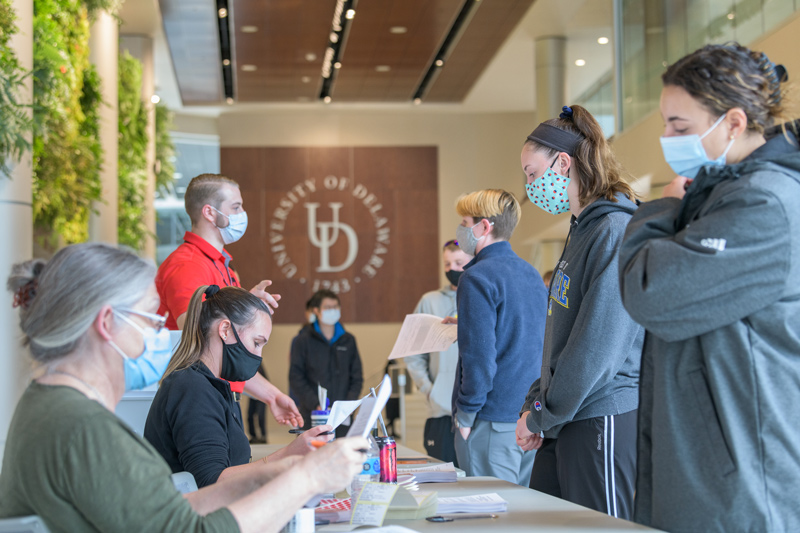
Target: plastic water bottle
x: 371, y: 470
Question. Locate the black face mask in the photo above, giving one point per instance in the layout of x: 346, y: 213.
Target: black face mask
x: 453, y: 276
x: 238, y: 364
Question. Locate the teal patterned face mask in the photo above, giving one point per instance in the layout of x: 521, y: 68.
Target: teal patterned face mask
x: 549, y: 192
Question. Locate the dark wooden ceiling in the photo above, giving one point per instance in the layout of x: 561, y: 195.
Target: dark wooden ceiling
x: 292, y: 32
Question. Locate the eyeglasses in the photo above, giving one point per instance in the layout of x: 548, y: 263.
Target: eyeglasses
x: 448, y: 243
x: 157, y: 320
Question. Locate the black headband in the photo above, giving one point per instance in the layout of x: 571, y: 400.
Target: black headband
x: 555, y: 138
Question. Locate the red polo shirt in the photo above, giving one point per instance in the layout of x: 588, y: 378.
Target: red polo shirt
x: 193, y: 264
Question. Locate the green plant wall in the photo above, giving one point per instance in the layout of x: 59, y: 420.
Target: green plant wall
x: 165, y: 148
x: 66, y: 153
x: 132, y: 153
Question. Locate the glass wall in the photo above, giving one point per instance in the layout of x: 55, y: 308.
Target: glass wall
x: 194, y: 154
x: 656, y: 33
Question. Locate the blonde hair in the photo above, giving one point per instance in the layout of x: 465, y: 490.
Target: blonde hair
x: 496, y: 205
x: 204, y: 189
x: 234, y: 303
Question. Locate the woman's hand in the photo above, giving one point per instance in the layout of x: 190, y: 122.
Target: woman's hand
x: 526, y: 439
x: 302, y: 444
x: 450, y: 320
x: 333, y: 466
x: 677, y: 188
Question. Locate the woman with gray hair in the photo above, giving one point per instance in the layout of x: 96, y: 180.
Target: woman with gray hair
x: 88, y: 317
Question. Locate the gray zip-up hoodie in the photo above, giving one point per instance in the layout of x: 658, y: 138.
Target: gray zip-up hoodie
x: 435, y: 373
x: 715, y: 280
x: 592, y: 348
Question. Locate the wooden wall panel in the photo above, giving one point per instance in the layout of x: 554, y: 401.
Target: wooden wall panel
x: 387, y: 203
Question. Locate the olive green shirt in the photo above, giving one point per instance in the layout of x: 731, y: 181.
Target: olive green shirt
x: 76, y: 465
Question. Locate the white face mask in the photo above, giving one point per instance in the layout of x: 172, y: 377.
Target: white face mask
x: 330, y: 316
x: 237, y: 225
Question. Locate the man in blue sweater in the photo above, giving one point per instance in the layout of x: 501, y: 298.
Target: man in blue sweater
x: 502, y: 303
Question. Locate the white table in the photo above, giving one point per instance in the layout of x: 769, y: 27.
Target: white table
x: 528, y: 510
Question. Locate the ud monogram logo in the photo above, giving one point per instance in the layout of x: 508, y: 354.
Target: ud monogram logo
x: 327, y: 202
x: 323, y: 235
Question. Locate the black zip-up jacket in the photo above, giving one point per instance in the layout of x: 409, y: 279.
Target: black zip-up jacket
x: 314, y: 361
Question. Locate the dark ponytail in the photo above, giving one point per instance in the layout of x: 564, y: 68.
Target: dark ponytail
x: 234, y: 303
x: 599, y: 173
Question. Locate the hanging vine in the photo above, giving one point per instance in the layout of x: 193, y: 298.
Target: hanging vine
x: 15, y: 122
x: 132, y: 166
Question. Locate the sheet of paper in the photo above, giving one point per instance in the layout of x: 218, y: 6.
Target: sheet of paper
x: 322, y: 396
x: 341, y: 411
x: 371, y: 407
x: 372, y: 504
x: 423, y: 333
x: 435, y: 467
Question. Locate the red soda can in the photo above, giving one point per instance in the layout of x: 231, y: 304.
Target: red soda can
x: 388, y: 457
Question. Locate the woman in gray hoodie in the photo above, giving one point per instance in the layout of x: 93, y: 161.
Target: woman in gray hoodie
x: 585, y: 403
x: 712, y: 271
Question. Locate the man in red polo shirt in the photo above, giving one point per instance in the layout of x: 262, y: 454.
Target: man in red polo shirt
x: 214, y: 204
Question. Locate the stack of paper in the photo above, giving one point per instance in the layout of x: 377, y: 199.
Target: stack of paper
x: 477, y: 503
x: 435, y: 473
x: 334, y: 510
x: 411, y: 506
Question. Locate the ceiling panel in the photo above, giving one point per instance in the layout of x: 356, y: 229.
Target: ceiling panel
x: 288, y: 30
x: 491, y: 24
x: 371, y: 44
x: 191, y: 29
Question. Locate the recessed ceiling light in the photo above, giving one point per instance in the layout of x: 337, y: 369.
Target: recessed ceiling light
x: 249, y: 29
x: 417, y: 101
x: 327, y: 99
x: 155, y: 99
x: 580, y: 62
x: 350, y: 14
x: 222, y: 12
x: 311, y: 56
x: 439, y: 63
x: 602, y: 40
x: 226, y: 62
x: 383, y: 68
x: 249, y: 68
x: 398, y: 30
x: 337, y: 65
x: 229, y: 100
x: 731, y: 16
x: 305, y: 79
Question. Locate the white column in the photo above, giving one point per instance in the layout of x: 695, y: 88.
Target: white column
x: 551, y: 75
x: 104, y: 54
x: 141, y: 47
x: 16, y: 234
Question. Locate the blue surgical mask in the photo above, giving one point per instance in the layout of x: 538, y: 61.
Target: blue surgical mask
x: 330, y: 316
x: 237, y: 225
x: 148, y: 368
x: 686, y: 155
x: 467, y: 240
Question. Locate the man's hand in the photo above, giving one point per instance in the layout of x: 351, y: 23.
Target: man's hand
x: 526, y: 439
x: 284, y: 410
x: 270, y: 299
x: 465, y: 433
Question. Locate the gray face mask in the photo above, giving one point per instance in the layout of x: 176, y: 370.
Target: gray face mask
x: 467, y: 240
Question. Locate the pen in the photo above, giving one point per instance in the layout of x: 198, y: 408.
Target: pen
x: 458, y: 516
x: 297, y: 431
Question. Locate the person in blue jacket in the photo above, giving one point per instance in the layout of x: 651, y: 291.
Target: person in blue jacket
x: 501, y: 304
x: 585, y: 402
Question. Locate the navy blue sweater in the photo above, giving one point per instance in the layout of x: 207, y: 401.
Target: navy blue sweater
x: 196, y: 425
x: 502, y: 303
